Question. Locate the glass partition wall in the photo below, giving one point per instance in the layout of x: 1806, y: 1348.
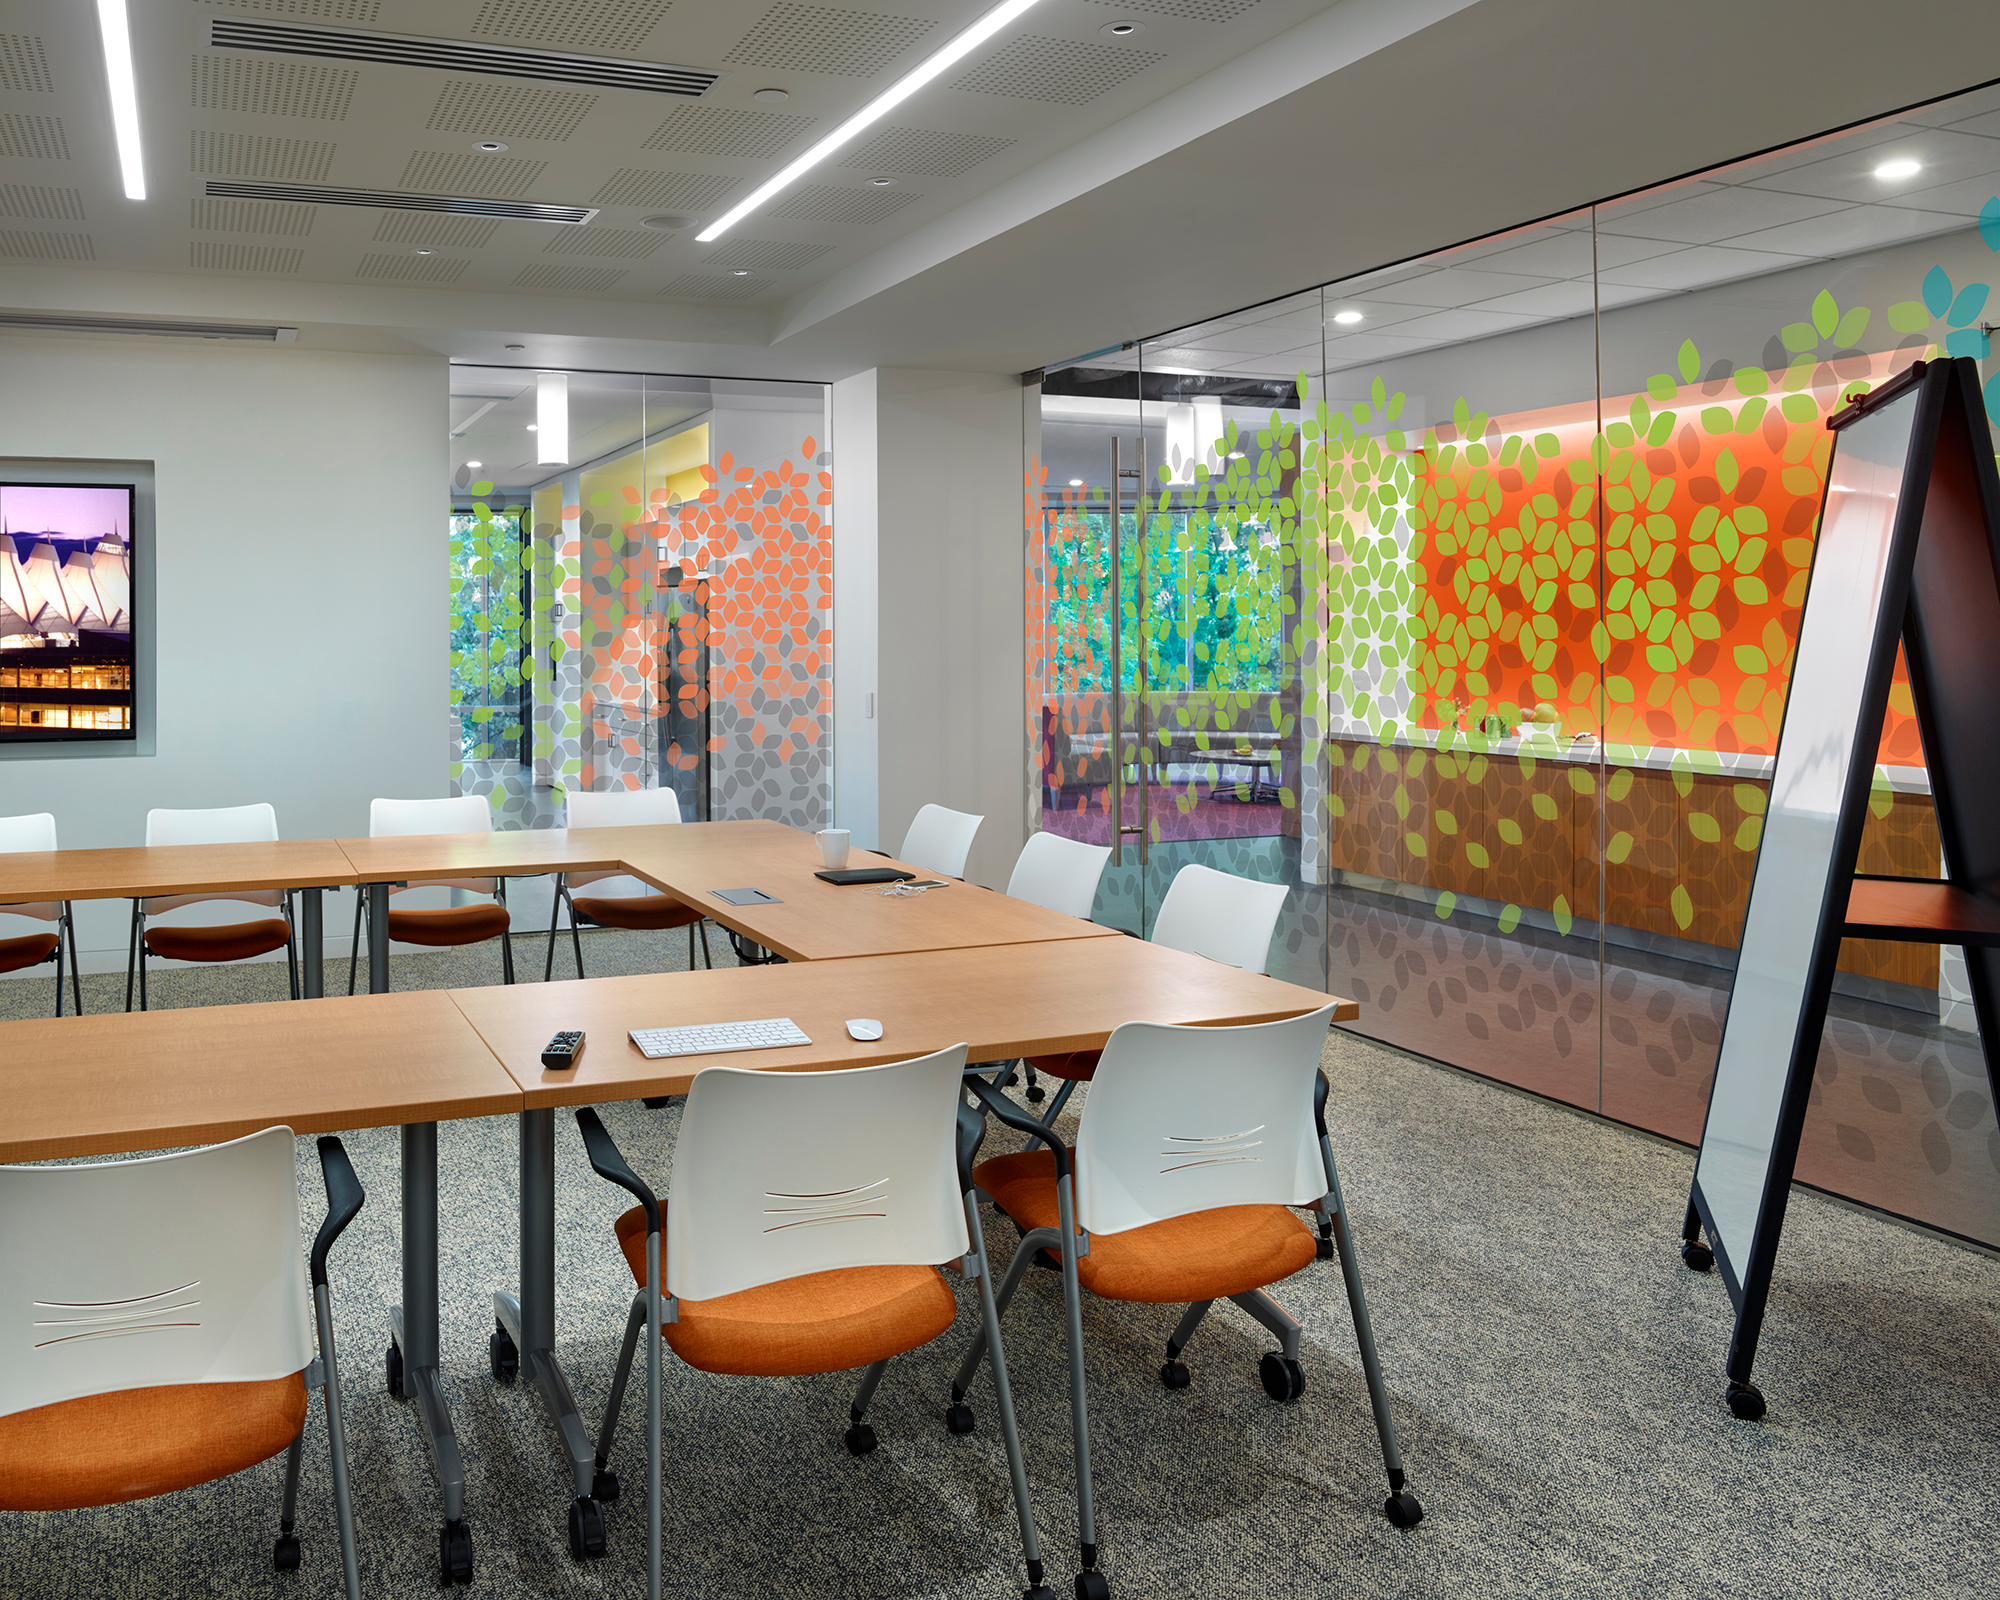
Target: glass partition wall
x: 1460, y: 598
x: 645, y: 601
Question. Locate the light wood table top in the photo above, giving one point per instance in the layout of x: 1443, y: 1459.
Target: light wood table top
x: 523, y: 852
x: 155, y: 1080
x: 1003, y: 1000
x: 146, y: 870
x: 815, y: 921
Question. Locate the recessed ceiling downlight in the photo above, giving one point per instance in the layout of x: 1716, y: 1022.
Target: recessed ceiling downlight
x: 669, y: 222
x: 883, y: 183
x: 489, y: 147
x: 1121, y: 30
x: 772, y: 97
x: 1900, y: 167
x: 1347, y: 318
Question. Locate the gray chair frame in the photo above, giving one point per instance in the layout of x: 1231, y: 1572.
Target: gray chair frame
x: 135, y: 952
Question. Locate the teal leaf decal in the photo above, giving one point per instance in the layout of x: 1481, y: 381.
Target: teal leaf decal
x: 1966, y: 308
x: 1937, y: 291
x: 1989, y: 223
x: 1993, y: 396
x: 1967, y: 342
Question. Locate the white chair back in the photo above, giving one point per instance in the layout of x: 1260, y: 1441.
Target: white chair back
x: 778, y: 1174
x: 36, y: 831
x: 402, y: 819
x: 1061, y: 874
x: 1188, y: 1119
x: 939, y: 840
x: 138, y: 1274
x: 254, y: 824
x: 1221, y: 916
x: 619, y: 808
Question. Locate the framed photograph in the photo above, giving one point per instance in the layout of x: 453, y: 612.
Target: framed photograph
x: 67, y: 656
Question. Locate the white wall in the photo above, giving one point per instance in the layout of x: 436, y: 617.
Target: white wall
x: 300, y: 647
x: 951, y: 665
x: 856, y: 503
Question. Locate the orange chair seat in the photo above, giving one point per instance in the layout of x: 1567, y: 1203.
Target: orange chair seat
x: 452, y: 926
x: 644, y: 911
x: 27, y: 951
x: 822, y: 1322
x: 1080, y: 1065
x: 237, y: 942
x: 1209, y: 1255
x: 106, y: 1448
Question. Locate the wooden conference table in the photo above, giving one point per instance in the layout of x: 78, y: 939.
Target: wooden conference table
x: 956, y: 963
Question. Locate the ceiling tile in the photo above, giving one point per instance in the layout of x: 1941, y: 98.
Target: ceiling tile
x: 582, y: 26
x: 1059, y: 71
x: 1689, y: 269
x: 1570, y: 299
x: 856, y: 44
x: 922, y: 152
x: 1966, y: 198
x: 1459, y: 324
x: 1718, y: 214
x: 1947, y: 156
x: 724, y: 131
x: 1856, y: 228
x: 1457, y: 286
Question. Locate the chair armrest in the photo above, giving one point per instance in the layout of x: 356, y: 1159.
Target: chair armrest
x: 1003, y: 1108
x: 609, y: 1164
x: 1321, y: 1090
x: 344, y: 1199
x: 971, y: 1135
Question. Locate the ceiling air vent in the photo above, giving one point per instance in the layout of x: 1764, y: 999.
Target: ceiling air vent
x: 159, y: 330
x: 396, y: 200
x: 454, y: 55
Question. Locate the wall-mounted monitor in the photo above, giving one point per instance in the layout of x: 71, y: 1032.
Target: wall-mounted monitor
x: 67, y: 659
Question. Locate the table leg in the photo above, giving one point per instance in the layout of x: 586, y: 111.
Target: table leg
x: 378, y: 938
x: 312, y: 945
x: 413, y: 1352
x: 530, y: 1319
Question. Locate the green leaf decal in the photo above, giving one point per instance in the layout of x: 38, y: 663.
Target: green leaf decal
x: 1825, y: 313
x: 1689, y: 361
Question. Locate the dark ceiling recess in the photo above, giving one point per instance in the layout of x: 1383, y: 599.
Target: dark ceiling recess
x: 1119, y: 383
x: 396, y: 200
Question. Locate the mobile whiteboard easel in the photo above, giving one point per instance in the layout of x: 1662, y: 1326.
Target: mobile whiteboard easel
x: 1909, y: 549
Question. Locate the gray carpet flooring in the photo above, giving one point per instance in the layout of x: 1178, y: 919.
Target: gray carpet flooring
x: 1555, y: 1372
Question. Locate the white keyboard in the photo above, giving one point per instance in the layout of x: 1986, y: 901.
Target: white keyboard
x: 718, y: 1038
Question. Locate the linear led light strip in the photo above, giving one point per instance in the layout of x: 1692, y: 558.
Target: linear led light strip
x: 873, y: 112
x: 124, y: 94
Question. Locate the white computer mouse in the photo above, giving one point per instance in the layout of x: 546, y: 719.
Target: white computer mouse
x: 864, y: 1028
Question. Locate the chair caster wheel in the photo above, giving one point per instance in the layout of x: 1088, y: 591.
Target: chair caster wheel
x: 1747, y: 1401
x: 1175, y: 1375
x: 1092, y: 1585
x: 1284, y: 1381
x: 604, y: 1486
x: 1037, y: 1094
x: 1323, y: 1250
x: 1041, y: 1591
x: 285, y: 1555
x: 1403, y: 1510
x: 958, y: 1418
x: 859, y: 1439
x: 586, y: 1530
x: 393, y: 1368
x: 502, y: 1354
x: 1697, y: 1255
x: 654, y: 1102
x: 454, y: 1553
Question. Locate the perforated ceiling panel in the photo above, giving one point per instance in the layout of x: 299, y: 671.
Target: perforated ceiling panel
x: 24, y: 65
x: 822, y: 202
x: 251, y: 216
x: 39, y: 200
x: 1062, y: 72
x: 923, y: 152
x: 634, y: 186
x: 858, y: 44
x: 46, y: 246
x: 223, y: 255
x: 720, y: 131
x: 451, y: 172
x: 1193, y: 10
x: 698, y: 286
x: 767, y: 255
x: 413, y: 269
x: 625, y: 244
x: 547, y: 275
x: 508, y: 110
x: 28, y: 137
x: 573, y: 24
x: 256, y: 155
x: 363, y: 11
x: 404, y: 227
x: 269, y: 88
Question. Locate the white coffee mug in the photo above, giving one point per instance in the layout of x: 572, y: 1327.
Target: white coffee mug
x: 833, y: 847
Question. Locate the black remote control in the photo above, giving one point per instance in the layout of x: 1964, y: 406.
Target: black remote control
x: 560, y: 1053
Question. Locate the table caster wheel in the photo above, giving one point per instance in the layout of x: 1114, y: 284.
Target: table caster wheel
x: 1175, y: 1375
x: 1284, y: 1381
x: 958, y: 1418
x: 1403, y: 1510
x: 604, y: 1486
x: 1697, y: 1255
x: 285, y: 1556
x: 502, y: 1354
x: 1747, y: 1401
x: 393, y: 1367
x: 1092, y: 1585
x: 586, y: 1530
x: 859, y: 1439
x: 455, y: 1553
